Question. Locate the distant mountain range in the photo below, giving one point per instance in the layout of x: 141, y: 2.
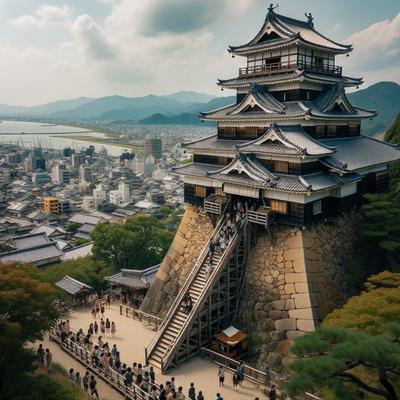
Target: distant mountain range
x: 183, y: 107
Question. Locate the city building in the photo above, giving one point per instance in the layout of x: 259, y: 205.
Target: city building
x: 291, y: 145
x: 50, y: 205
x: 99, y: 195
x: 85, y: 172
x: 40, y: 177
x: 60, y: 174
x: 153, y: 147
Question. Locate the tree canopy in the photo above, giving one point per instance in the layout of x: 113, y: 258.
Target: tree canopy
x: 369, y: 312
x: 86, y: 269
x: 337, y: 358
x: 26, y: 312
x: 140, y: 242
x: 392, y: 135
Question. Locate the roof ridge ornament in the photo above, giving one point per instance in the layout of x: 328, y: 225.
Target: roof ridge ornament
x: 310, y: 19
x: 271, y: 9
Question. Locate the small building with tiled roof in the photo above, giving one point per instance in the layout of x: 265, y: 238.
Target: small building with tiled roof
x: 292, y: 142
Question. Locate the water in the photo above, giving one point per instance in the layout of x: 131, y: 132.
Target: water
x: 31, y: 134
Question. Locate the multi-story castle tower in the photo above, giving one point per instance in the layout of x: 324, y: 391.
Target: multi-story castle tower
x: 290, y: 150
x: 292, y: 142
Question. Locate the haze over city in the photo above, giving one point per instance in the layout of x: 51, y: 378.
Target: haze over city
x: 56, y: 49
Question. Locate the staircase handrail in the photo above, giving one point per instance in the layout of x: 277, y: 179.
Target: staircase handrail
x: 210, y: 282
x: 182, y: 292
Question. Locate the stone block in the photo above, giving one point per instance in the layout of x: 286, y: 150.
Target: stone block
x: 277, y: 335
x: 306, y: 325
x: 289, y: 288
x: 295, y: 277
x: 274, y: 360
x: 299, y: 265
x: 163, y: 275
x: 294, y: 254
x: 275, y: 314
x: 278, y: 304
x: 294, y: 242
x: 286, y: 324
x: 301, y: 287
x: 302, y: 300
x: 284, y: 347
x: 289, y: 304
x: 292, y: 335
x: 302, y: 313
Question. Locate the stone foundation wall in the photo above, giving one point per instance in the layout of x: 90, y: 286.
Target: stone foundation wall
x: 294, y: 279
x: 193, y: 233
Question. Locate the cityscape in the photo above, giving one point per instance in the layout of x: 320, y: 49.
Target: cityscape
x: 163, y: 238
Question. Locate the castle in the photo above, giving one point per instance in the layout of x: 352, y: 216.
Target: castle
x: 291, y: 150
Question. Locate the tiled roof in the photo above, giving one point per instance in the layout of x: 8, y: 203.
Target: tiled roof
x: 35, y: 254
x: 360, y: 152
x: 29, y: 241
x: 289, y: 29
x: 73, y: 286
x: 135, y: 279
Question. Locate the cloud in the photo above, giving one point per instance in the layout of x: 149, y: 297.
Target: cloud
x: 374, y: 44
x: 92, y: 39
x: 44, y: 17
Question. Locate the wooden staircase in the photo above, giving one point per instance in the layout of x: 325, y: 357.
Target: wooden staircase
x: 180, y: 329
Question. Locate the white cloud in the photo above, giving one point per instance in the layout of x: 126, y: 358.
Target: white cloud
x: 92, y: 39
x: 373, y: 44
x: 45, y: 16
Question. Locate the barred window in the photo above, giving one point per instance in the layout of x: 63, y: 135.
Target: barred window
x: 317, y: 207
x: 200, y: 191
x: 280, y: 207
x: 281, y: 167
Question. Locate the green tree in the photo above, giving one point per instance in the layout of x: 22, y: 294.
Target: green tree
x: 392, y: 135
x: 113, y: 244
x: 369, y: 312
x: 85, y: 269
x: 140, y: 242
x: 72, y: 227
x: 336, y: 358
x: 26, y: 312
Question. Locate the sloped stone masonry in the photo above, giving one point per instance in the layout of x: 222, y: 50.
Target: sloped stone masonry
x: 193, y: 233
x: 295, y: 278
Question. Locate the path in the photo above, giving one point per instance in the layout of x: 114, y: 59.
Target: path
x: 106, y: 392
x: 131, y: 339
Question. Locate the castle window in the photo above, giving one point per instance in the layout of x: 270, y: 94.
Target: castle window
x: 331, y: 130
x: 281, y: 167
x: 320, y: 131
x: 280, y: 207
x: 354, y: 129
x: 317, y: 207
x: 200, y: 191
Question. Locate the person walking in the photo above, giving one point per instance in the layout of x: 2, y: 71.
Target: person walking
x: 235, y: 380
x: 96, y: 327
x: 102, y: 309
x: 71, y: 375
x: 192, y: 392
x: 78, y: 380
x: 221, y: 376
x: 241, y: 373
x: 102, y: 327
x: 219, y: 397
x: 93, y: 387
x: 85, y: 382
x: 40, y: 354
x: 108, y: 327
x: 49, y: 359
x: 113, y: 329
x: 272, y: 393
x: 200, y: 396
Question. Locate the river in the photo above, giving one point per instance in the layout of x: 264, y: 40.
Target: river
x: 49, y: 136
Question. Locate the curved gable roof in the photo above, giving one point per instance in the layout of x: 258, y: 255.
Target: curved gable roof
x: 288, y: 29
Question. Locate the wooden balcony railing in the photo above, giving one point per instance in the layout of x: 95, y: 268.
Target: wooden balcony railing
x: 276, y: 68
x: 146, y: 318
x: 215, y: 204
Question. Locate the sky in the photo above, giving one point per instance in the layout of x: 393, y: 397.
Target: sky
x: 59, y: 49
